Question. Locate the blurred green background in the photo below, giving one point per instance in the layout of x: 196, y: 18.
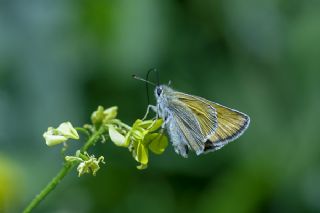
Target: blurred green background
x: 60, y: 59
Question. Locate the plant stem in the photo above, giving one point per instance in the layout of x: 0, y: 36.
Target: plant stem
x: 83, y: 130
x: 93, y: 139
x: 62, y: 173
x: 51, y: 185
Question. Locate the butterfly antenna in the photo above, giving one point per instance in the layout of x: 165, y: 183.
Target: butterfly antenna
x: 158, y: 81
x: 144, y: 80
x: 147, y: 77
x: 147, y: 84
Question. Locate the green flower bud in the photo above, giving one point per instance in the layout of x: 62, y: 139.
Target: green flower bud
x: 73, y: 159
x: 110, y: 113
x: 102, y: 116
x: 98, y: 116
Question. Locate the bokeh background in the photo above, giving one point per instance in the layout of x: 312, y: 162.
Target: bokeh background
x: 60, y: 59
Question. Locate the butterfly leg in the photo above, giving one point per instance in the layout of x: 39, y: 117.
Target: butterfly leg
x: 153, y: 108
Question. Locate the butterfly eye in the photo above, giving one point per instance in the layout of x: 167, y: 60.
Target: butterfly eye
x: 159, y: 91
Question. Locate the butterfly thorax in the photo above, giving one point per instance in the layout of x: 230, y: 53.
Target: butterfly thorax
x: 163, y: 95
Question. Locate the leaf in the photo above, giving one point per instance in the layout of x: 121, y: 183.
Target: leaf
x: 159, y: 144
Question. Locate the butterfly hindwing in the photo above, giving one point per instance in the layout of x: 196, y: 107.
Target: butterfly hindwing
x: 187, y: 127
x: 204, y: 113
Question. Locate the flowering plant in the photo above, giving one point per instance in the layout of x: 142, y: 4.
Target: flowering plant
x: 142, y: 136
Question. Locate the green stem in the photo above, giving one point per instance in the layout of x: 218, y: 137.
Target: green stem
x: 53, y: 183
x: 92, y: 140
x: 62, y: 173
x: 83, y: 130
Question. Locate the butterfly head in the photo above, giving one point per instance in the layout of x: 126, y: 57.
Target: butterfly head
x: 158, y: 91
x: 161, y: 91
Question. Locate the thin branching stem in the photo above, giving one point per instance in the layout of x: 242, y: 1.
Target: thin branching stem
x: 62, y: 173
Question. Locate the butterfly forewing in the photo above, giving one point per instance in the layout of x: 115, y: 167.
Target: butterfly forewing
x: 204, y: 112
x: 228, y: 126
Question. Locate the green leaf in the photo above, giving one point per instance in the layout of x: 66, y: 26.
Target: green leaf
x: 117, y: 138
x: 159, y: 144
x: 73, y: 159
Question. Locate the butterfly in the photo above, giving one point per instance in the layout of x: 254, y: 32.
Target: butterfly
x: 196, y: 124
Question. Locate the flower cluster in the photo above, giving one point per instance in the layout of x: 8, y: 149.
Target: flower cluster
x: 102, y: 116
x: 87, y: 163
x: 142, y: 136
